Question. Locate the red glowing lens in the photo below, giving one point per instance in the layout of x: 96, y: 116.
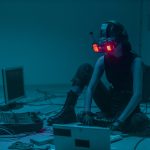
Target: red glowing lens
x: 109, y: 48
x: 106, y: 46
x: 96, y: 48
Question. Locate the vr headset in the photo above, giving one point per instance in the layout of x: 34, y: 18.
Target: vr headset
x: 104, y: 46
x: 111, y: 33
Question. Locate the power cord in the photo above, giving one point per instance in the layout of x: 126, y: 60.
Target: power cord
x: 6, y: 131
x: 137, y: 144
x: 46, y: 97
x: 143, y: 138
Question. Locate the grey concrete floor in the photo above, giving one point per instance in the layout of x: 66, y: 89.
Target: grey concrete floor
x: 48, y: 100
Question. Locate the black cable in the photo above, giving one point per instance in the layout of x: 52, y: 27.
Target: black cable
x: 6, y: 131
x: 143, y: 138
x: 137, y: 144
x: 47, y: 96
x: 16, y: 135
x: 28, y: 104
x: 55, y: 104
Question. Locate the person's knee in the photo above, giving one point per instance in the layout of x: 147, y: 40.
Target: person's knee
x: 82, y: 75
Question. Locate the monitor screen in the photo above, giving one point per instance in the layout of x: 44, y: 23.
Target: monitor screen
x: 13, y: 83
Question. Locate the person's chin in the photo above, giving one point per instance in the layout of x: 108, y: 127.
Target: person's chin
x: 111, y: 54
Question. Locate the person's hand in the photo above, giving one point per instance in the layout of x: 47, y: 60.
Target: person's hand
x: 88, y: 119
x: 116, y: 126
x: 85, y: 117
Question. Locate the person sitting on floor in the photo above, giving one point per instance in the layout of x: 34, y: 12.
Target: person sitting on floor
x: 124, y: 72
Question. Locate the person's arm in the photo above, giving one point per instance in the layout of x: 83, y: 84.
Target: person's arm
x: 137, y: 72
x: 97, y: 73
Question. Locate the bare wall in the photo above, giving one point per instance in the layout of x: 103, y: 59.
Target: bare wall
x: 51, y: 38
x: 145, y: 32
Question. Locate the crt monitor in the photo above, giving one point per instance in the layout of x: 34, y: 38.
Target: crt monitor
x: 13, y: 84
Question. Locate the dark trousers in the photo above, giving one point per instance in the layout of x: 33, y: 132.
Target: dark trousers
x: 113, y: 102
x: 110, y: 101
